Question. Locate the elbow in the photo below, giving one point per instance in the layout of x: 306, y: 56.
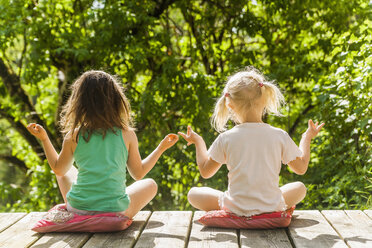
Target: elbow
x: 302, y: 166
x: 301, y: 172
x: 59, y: 173
x: 205, y: 175
x: 137, y: 176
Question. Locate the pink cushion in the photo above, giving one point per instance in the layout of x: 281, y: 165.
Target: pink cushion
x: 221, y: 218
x: 58, y: 219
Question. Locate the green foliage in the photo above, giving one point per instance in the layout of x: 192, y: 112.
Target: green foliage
x: 173, y: 58
x: 345, y: 156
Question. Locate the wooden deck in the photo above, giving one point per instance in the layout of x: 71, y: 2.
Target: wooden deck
x: 310, y: 228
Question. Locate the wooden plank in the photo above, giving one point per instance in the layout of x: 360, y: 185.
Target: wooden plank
x: 368, y: 212
x: 8, y: 219
x: 122, y: 239
x: 310, y: 229
x: 62, y: 240
x: 20, y: 234
x: 209, y: 237
x: 166, y: 229
x: 274, y: 238
x: 353, y: 225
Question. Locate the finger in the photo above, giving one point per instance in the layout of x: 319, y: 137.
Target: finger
x: 37, y: 128
x: 173, y: 135
x: 30, y: 129
x: 189, y: 143
x: 182, y: 134
x: 168, y: 137
x: 316, y: 123
x: 310, y: 122
x: 188, y: 130
x: 320, y: 126
x: 173, y: 138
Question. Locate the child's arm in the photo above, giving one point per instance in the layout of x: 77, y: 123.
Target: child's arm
x: 59, y: 163
x: 207, y: 166
x: 137, y: 167
x: 300, y: 165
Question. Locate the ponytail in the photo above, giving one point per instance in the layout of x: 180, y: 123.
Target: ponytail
x: 220, y: 115
x: 274, y: 98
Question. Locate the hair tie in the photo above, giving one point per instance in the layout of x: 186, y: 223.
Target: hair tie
x: 227, y: 94
x: 261, y: 84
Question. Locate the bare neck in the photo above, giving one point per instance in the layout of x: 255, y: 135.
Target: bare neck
x: 251, y: 116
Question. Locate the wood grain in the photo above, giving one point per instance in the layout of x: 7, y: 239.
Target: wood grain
x: 354, y: 226
x: 166, y: 229
x: 7, y: 220
x: 20, y: 233
x: 310, y: 229
x: 275, y: 238
x: 210, y: 237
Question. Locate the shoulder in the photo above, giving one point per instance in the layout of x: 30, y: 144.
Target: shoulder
x: 229, y: 132
x: 277, y: 130
x: 71, y: 136
x: 129, y: 135
x: 281, y: 135
x: 70, y: 141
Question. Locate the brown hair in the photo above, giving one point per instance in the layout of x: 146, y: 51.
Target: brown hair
x: 97, y: 103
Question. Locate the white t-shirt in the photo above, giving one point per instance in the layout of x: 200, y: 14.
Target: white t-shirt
x: 253, y: 153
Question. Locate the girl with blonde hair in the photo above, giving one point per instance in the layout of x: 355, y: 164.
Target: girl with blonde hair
x: 252, y: 150
x: 100, y: 138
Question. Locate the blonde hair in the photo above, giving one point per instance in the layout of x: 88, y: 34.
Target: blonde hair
x: 97, y: 103
x: 244, y: 89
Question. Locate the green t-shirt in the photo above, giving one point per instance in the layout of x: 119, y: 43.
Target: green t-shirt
x: 101, y: 163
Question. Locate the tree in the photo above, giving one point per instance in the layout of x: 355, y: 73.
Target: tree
x: 173, y: 57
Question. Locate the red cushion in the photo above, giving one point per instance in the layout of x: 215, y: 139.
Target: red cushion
x: 58, y: 219
x: 221, y: 218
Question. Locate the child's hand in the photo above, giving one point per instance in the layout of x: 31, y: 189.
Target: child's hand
x: 191, y: 137
x: 168, y: 141
x: 38, y: 131
x: 313, y: 129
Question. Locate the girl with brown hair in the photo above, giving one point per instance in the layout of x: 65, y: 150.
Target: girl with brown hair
x: 100, y: 138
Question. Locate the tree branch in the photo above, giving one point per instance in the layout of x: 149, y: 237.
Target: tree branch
x: 16, y: 161
x: 190, y: 20
x: 22, y: 130
x: 13, y: 85
x: 298, y: 119
x: 161, y: 6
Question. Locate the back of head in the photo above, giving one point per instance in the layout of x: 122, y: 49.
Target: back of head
x: 97, y: 102
x: 247, y: 90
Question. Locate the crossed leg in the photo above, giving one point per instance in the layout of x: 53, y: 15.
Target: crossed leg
x: 205, y: 198
x: 293, y: 193
x: 65, y: 182
x: 140, y: 192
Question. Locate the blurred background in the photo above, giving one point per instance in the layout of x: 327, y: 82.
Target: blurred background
x: 173, y: 58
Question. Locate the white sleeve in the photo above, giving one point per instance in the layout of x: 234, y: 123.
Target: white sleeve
x: 290, y: 150
x: 217, y: 151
